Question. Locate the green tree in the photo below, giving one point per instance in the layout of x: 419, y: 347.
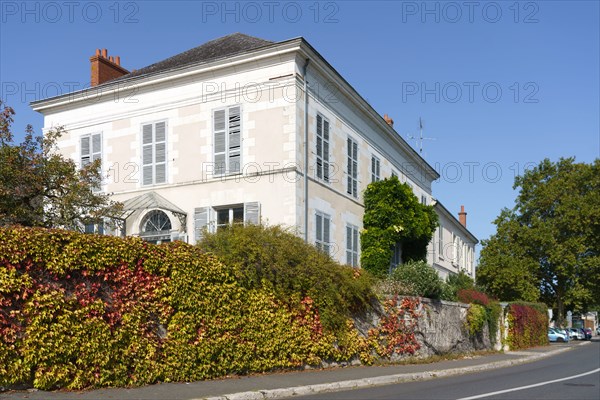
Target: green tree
x: 39, y: 187
x: 548, y: 245
x: 394, y: 215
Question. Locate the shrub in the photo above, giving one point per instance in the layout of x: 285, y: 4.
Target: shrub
x: 476, y: 318
x: 89, y: 311
x: 472, y: 296
x: 291, y: 268
x: 420, y: 278
x: 527, y: 325
x: 456, y: 282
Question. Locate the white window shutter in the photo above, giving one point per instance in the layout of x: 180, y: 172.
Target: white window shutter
x: 201, y: 219
x: 252, y: 213
x: 234, y: 139
x: 147, y: 155
x: 85, y: 151
x: 219, y: 142
x: 96, y: 146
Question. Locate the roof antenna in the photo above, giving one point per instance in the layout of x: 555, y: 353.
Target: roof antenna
x: 419, y: 140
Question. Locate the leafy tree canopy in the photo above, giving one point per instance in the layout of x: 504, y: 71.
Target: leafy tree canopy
x: 393, y: 214
x: 548, y: 246
x: 39, y: 187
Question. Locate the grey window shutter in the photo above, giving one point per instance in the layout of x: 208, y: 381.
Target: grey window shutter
x: 326, y: 150
x: 219, y: 141
x: 348, y: 245
x: 234, y: 139
x: 252, y: 213
x: 96, y: 146
x: 326, y: 239
x: 147, y: 155
x: 160, y: 152
x: 319, y: 146
x: 201, y: 219
x: 85, y: 151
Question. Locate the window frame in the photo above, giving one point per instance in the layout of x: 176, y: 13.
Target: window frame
x: 441, y: 242
x: 324, y: 243
x: 352, y: 245
x: 375, y: 168
x: 352, y: 167
x: 153, y: 145
x: 323, y: 149
x: 227, y: 142
x: 92, y: 154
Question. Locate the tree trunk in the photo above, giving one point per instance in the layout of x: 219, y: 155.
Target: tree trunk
x: 560, y: 317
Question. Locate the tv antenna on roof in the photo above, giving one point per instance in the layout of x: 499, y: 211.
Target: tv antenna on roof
x: 420, y: 138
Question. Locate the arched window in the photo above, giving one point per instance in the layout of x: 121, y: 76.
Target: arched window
x: 156, y: 227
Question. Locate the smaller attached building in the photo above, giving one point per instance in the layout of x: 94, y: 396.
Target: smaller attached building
x: 452, y: 248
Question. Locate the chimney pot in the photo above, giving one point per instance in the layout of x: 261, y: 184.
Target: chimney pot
x: 462, y: 216
x: 104, y: 68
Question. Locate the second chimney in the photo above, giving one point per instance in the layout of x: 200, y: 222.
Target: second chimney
x: 388, y: 120
x: 462, y: 216
x: 105, y: 68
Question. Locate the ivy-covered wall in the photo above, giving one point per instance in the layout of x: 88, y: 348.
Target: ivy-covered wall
x: 393, y: 214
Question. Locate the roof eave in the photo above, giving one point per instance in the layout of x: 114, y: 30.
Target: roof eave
x: 308, y: 50
x: 112, y: 87
x: 456, y: 222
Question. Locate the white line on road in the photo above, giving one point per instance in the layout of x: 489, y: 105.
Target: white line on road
x: 479, y: 396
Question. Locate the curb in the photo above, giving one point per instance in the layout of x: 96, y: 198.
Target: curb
x: 379, y: 380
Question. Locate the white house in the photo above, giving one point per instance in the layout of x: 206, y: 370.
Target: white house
x: 223, y: 133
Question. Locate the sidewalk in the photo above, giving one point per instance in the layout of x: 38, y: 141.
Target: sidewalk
x: 287, y: 384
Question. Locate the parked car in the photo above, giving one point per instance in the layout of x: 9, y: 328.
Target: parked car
x: 588, y: 333
x: 555, y: 336
x: 598, y: 330
x: 561, y: 331
x: 576, y: 333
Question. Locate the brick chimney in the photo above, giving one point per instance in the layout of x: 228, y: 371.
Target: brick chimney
x: 462, y: 216
x: 104, y: 68
x: 389, y: 121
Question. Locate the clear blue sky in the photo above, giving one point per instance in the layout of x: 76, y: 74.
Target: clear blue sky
x: 498, y: 84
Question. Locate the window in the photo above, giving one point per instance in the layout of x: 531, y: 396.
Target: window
x: 214, y: 218
x: 423, y: 199
x: 352, y: 168
x: 322, y: 148
x: 352, y: 245
x: 322, y: 224
x: 230, y: 216
x: 375, y: 169
x: 156, y: 227
x: 154, y: 153
x: 91, y: 150
x: 94, y: 228
x: 228, y: 141
x: 441, y: 242
x: 455, y: 249
x: 394, y: 174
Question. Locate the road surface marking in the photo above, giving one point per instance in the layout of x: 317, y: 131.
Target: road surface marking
x: 479, y: 396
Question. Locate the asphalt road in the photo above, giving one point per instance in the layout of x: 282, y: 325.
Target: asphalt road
x: 543, y: 380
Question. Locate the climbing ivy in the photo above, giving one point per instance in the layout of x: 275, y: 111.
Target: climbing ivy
x: 393, y: 214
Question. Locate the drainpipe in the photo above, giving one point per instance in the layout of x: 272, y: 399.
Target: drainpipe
x: 305, y: 150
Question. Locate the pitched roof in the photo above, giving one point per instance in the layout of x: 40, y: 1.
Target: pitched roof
x: 148, y: 201
x: 226, y: 46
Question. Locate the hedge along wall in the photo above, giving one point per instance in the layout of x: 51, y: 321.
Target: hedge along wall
x: 87, y: 311
x: 527, y: 325
x: 81, y: 311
